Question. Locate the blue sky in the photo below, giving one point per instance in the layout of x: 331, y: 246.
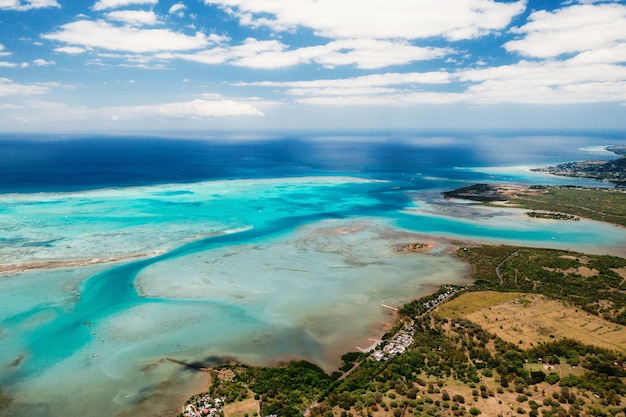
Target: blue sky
x: 150, y: 65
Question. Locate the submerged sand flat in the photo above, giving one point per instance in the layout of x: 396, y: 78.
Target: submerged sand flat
x: 313, y: 293
x: 64, y: 264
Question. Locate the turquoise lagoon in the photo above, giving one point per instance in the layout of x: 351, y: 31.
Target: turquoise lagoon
x: 262, y: 270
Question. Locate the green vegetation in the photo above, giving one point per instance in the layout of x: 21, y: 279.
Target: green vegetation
x: 592, y: 282
x: 606, y: 205
x: 561, y: 203
x: 551, y: 216
x: 284, y: 390
x: 477, y: 192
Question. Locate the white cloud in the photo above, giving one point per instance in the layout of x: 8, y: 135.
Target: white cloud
x: 387, y: 89
x: 4, y: 64
x: 549, y: 82
x: 399, y: 99
x: 115, y: 4
x: 368, y: 53
x: 47, y: 112
x: 43, y: 63
x: 3, y: 52
x: 341, y: 91
x: 271, y: 54
x: 24, y: 5
x: 544, y: 82
x: 612, y: 54
x: 133, y: 17
x: 382, y: 19
x: 196, y: 109
x: 72, y: 50
x: 100, y: 34
x: 571, y: 30
x: 366, y: 81
x: 10, y: 88
x: 177, y: 9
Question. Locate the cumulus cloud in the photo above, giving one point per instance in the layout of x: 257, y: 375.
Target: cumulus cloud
x: 101, y: 34
x: 549, y: 82
x: 115, y: 4
x: 133, y: 17
x: 571, y: 30
x: 43, y: 63
x: 382, y: 19
x: 196, y: 109
x: 525, y: 82
x: 41, y: 112
x: 24, y: 5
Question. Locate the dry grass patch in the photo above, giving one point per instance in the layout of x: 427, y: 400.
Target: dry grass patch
x: 249, y: 407
x: 583, y: 271
x: 533, y: 318
x: 620, y: 271
x: 474, y: 301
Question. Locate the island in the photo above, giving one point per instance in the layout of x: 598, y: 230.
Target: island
x: 416, y: 247
x: 540, y: 332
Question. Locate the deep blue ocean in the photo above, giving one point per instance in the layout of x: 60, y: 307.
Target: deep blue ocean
x: 122, y: 251
x: 39, y: 163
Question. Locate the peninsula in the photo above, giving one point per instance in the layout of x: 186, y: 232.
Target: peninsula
x: 553, y: 202
x: 611, y: 171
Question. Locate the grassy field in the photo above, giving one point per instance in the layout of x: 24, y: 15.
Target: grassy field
x: 601, y: 204
x: 245, y: 408
x: 529, y: 319
x: 475, y: 301
x: 595, y: 283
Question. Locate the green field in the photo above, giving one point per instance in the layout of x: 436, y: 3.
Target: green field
x: 607, y: 205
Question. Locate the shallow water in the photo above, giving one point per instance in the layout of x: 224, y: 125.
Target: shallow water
x: 263, y: 269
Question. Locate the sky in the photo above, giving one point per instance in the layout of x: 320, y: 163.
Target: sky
x: 156, y: 65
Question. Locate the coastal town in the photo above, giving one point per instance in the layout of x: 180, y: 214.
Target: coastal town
x: 612, y: 171
x: 396, y: 346
x: 203, y: 406
x: 401, y: 341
